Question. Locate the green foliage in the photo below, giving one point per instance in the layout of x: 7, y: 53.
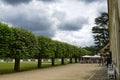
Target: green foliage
x: 44, y: 45
x: 19, y: 43
x: 63, y: 50
x: 23, y: 43
x: 100, y: 31
x: 102, y: 20
x: 5, y: 38
x: 85, y: 52
x: 58, y: 49
x: 92, y: 49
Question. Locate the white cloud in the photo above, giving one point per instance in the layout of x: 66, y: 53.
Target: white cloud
x: 84, y: 36
x: 44, y: 18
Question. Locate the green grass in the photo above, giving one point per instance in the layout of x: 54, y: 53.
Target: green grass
x: 8, y: 67
x: 27, y: 66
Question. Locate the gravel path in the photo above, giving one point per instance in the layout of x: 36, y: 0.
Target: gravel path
x: 67, y: 72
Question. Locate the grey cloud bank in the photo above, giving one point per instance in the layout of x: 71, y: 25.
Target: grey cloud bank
x: 55, y: 20
x: 90, y: 1
x: 73, y: 25
x: 48, y: 0
x: 35, y: 20
x: 16, y: 2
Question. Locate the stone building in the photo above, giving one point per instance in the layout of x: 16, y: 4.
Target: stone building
x: 114, y: 32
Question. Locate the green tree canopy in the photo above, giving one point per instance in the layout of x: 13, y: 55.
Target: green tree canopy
x: 92, y: 49
x: 23, y: 45
x: 100, y: 31
x: 5, y: 38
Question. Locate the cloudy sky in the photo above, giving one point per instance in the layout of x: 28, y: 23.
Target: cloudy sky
x: 64, y: 20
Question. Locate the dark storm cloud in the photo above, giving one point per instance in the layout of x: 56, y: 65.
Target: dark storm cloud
x: 16, y: 2
x: 89, y: 1
x: 73, y: 25
x: 40, y: 25
x: 48, y: 1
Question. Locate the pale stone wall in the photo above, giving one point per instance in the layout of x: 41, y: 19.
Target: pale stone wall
x: 119, y: 7
x: 114, y: 28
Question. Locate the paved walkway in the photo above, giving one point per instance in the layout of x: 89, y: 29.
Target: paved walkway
x: 100, y: 74
x: 67, y: 72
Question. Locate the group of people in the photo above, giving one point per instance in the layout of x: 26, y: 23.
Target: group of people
x: 106, y: 59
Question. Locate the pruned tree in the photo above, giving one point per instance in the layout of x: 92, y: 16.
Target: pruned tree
x: 23, y: 45
x: 5, y: 39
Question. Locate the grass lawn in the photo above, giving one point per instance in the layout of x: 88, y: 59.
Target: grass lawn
x: 8, y: 67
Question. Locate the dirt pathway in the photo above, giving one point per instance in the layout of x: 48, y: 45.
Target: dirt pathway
x: 67, y: 72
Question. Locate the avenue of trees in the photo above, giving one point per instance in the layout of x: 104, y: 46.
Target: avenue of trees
x: 100, y: 31
x: 17, y: 43
x: 92, y: 49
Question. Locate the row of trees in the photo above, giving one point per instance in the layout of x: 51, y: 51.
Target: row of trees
x: 92, y: 49
x: 17, y: 43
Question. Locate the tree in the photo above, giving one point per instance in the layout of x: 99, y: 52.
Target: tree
x: 100, y: 31
x: 51, y: 51
x: 57, y: 49
x: 23, y: 45
x: 60, y: 50
x: 79, y: 53
x: 45, y: 46
x: 92, y: 49
x: 63, y: 52
x: 5, y: 38
x: 76, y: 54
x: 70, y: 53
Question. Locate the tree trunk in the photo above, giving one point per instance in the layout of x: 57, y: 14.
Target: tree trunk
x: 79, y: 59
x: 17, y: 65
x: 75, y: 59
x: 53, y: 61
x: 39, y: 62
x: 70, y: 60
x: 62, y: 61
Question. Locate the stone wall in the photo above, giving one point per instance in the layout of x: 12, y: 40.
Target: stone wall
x: 114, y: 28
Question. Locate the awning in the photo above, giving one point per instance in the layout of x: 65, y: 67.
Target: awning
x: 86, y: 56
x: 96, y: 56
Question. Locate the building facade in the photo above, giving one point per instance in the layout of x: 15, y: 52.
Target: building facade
x: 114, y: 32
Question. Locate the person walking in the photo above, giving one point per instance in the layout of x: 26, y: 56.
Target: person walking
x: 108, y: 58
